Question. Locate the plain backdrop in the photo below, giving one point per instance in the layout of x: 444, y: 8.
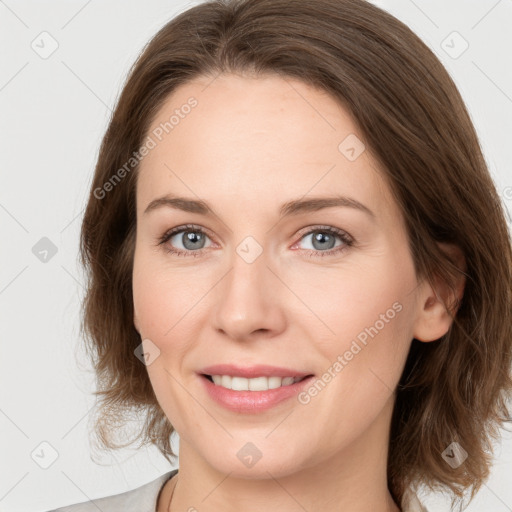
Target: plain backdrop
x: 62, y: 67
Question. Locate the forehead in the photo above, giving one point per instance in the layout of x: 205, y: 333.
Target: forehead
x: 254, y: 139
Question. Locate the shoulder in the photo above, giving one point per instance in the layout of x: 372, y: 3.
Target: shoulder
x: 142, y: 499
x: 411, y: 502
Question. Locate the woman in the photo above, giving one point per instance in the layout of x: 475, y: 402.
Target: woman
x: 299, y: 377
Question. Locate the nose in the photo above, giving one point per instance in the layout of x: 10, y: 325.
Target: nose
x: 249, y: 300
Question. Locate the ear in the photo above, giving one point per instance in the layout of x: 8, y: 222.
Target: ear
x: 433, y: 319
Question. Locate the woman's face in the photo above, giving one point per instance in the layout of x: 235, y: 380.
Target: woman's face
x: 257, y: 282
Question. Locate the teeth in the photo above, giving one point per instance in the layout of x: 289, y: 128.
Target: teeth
x: 256, y: 384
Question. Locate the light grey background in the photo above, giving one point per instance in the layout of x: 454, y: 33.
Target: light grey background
x: 54, y: 110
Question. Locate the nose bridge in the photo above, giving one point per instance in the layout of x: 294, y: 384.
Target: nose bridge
x: 246, y: 300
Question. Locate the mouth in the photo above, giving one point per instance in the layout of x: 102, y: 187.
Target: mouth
x: 254, y: 395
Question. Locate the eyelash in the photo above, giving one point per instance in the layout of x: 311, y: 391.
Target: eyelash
x: 345, y: 238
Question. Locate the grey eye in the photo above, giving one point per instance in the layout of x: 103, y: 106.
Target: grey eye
x: 190, y: 239
x: 322, y: 239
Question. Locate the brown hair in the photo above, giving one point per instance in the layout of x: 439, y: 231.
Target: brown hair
x: 414, y: 121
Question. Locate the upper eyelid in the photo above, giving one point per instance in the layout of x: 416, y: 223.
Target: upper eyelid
x: 180, y: 229
x: 322, y: 227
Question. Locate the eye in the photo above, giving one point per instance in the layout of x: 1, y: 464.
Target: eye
x: 192, y: 239
x: 323, y: 239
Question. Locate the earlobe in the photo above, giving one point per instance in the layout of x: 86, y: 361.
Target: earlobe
x: 434, y: 318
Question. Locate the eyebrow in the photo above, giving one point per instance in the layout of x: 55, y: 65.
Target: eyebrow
x: 290, y: 208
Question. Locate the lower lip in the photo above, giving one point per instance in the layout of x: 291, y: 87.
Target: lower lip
x: 252, y: 401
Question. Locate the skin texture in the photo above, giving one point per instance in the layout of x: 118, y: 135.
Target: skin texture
x: 248, y: 146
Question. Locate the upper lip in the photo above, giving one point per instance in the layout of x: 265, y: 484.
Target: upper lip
x: 259, y: 370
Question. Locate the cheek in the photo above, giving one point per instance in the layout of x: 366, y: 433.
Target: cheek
x: 159, y: 307
x: 167, y: 304
x: 363, y: 316
x: 363, y: 362
x: 347, y: 300
x: 159, y: 297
